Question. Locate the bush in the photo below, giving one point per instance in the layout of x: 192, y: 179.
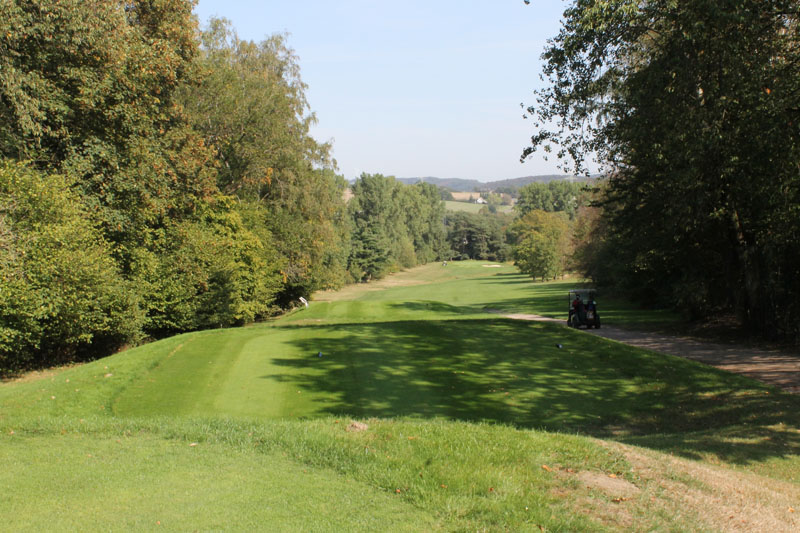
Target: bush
x: 61, y: 296
x: 206, y: 273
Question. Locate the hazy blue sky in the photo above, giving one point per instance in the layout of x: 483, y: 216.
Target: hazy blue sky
x: 413, y: 87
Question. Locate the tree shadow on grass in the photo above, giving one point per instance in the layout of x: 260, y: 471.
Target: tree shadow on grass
x: 508, y: 279
x: 513, y: 373
x: 440, y: 308
x: 740, y: 444
x: 530, y: 296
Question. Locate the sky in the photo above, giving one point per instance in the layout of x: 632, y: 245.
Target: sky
x: 414, y: 88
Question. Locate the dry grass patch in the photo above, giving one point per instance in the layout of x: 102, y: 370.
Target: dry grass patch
x: 721, y: 499
x: 350, y: 292
x: 655, y: 489
x: 37, y: 375
x: 421, y: 275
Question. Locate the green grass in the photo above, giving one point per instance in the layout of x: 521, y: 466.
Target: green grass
x: 473, y: 208
x: 495, y: 370
x: 289, y: 475
x: 168, y: 484
x: 463, y: 409
x: 470, y: 288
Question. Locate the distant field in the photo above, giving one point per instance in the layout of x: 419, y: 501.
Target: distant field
x: 465, y: 196
x: 466, y: 421
x: 473, y: 208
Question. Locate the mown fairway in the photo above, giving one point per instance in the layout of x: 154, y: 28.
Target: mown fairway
x: 247, y: 428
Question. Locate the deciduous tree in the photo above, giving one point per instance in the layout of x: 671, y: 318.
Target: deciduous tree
x: 695, y: 107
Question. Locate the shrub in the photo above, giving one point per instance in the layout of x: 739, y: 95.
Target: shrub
x: 61, y: 295
x: 208, y: 272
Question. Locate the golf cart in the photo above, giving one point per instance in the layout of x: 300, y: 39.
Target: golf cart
x: 583, y: 309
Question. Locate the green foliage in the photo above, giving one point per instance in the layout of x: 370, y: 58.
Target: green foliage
x: 555, y: 196
x: 251, y: 107
x: 445, y: 194
x: 694, y: 105
x: 542, y: 244
x: 60, y: 292
x: 377, y: 226
x: 192, y: 156
x: 536, y: 255
x: 208, y: 273
x: 478, y: 236
x: 394, y: 226
x: 425, y: 214
x: 89, y: 90
x: 370, y: 256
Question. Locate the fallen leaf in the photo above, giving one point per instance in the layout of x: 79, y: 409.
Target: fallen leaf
x: 613, y: 476
x: 193, y: 444
x: 491, y: 489
x: 443, y: 486
x: 545, y: 467
x: 398, y: 491
x: 790, y: 509
x: 619, y: 500
x: 356, y: 426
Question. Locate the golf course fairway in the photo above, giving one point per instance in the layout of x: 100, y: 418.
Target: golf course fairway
x: 399, y: 405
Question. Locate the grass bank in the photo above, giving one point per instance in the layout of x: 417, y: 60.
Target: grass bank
x: 472, y: 423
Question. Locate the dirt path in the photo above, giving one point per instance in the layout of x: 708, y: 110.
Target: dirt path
x: 769, y: 366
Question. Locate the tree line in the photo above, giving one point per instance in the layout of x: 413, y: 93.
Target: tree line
x: 156, y: 179
x: 694, y: 108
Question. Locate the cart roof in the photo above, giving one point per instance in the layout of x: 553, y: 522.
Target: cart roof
x: 582, y: 292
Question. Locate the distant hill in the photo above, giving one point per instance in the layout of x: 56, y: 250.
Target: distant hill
x: 462, y: 185
x: 452, y: 184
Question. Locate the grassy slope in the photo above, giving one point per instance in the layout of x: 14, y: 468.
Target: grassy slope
x: 424, y: 350
x: 141, y: 481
